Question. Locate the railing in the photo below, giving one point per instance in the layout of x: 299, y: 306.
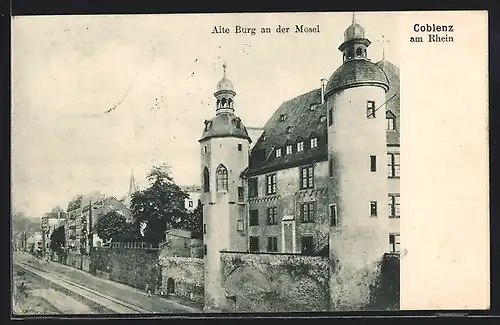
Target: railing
x: 134, y: 245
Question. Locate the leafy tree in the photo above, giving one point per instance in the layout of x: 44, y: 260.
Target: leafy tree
x: 57, y: 239
x: 160, y: 205
x: 194, y: 220
x: 130, y: 233
x: 110, y: 225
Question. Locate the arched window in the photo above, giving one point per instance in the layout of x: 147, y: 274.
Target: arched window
x: 206, y: 180
x: 218, y: 103
x: 221, y: 178
x: 230, y: 103
x: 359, y: 51
x: 223, y: 102
x: 350, y: 54
x: 170, y: 286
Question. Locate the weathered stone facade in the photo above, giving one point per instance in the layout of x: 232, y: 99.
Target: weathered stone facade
x: 183, y: 277
x: 274, y: 282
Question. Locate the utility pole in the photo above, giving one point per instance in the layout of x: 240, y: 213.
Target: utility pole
x: 90, y: 238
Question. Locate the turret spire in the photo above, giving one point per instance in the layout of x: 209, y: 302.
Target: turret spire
x: 224, y: 66
x: 133, y: 186
x: 353, y: 17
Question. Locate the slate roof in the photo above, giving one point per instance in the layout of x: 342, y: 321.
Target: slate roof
x: 356, y: 73
x: 392, y: 105
x: 304, y: 122
x: 225, y: 124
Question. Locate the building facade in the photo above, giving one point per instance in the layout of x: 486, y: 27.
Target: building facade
x: 194, y: 193
x: 322, y: 178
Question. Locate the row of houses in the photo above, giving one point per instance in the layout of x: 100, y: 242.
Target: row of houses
x: 81, y: 216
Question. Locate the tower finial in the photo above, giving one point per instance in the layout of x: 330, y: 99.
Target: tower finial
x: 353, y: 17
x: 224, y: 65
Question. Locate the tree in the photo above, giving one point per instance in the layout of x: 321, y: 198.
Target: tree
x: 110, y: 225
x: 57, y: 239
x: 130, y: 233
x: 194, y: 220
x: 160, y: 205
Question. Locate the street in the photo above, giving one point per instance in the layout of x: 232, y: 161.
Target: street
x: 53, y: 288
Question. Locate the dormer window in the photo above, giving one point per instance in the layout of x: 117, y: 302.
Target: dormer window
x: 322, y: 119
x: 288, y: 149
x: 313, y: 106
x: 289, y: 129
x: 314, y: 142
x: 391, y: 119
x: 278, y: 152
x: 282, y: 117
x: 237, y: 122
x: 300, y: 146
x: 208, y: 124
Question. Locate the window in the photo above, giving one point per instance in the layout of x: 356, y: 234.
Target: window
x: 307, y: 245
x: 394, y: 243
x: 393, y: 164
x: 331, y: 166
x: 278, y: 152
x: 359, y: 51
x: 271, y: 184
x: 313, y: 106
x: 205, y: 249
x: 393, y: 205
x: 314, y: 142
x: 239, y: 225
x: 288, y: 149
x: 373, y: 208
x: 330, y: 116
x: 370, y: 109
x: 307, y: 212
x: 333, y: 215
x: 322, y: 118
x: 252, y: 187
x: 307, y: 177
x: 240, y: 147
x: 190, y: 203
x: 289, y: 129
x: 241, y: 194
x: 254, y: 217
x: 373, y: 163
x: 206, y: 180
x: 204, y: 228
x: 272, y: 216
x: 254, y: 244
x: 300, y: 146
x: 221, y: 178
x: 205, y: 149
x: 208, y: 124
x: 282, y: 117
x: 272, y: 244
x: 390, y: 123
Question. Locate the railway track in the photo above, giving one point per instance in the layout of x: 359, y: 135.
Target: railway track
x: 101, y: 303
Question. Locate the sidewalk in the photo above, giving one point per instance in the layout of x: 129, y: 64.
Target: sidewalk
x: 117, y: 290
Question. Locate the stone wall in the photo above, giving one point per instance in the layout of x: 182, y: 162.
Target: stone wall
x: 263, y: 282
x: 183, y: 277
x: 131, y: 266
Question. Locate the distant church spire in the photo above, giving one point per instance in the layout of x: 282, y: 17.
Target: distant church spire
x: 133, y: 186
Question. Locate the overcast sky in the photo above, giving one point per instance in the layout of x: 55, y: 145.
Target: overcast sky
x: 68, y: 70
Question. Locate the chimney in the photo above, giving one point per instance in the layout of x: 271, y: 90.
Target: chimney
x: 323, y: 90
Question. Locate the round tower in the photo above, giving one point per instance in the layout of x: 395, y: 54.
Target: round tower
x: 358, y: 191
x: 224, y: 153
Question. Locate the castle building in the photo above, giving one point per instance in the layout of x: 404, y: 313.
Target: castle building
x: 322, y: 178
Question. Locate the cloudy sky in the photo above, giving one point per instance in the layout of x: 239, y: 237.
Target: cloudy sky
x: 69, y: 70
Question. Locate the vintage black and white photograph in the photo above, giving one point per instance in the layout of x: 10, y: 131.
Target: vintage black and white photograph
x: 173, y: 164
